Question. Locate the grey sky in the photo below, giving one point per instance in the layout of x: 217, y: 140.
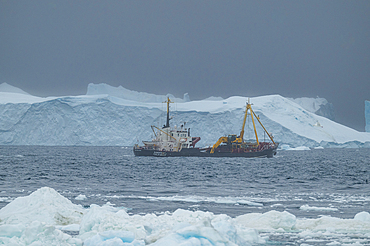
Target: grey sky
x: 205, y: 48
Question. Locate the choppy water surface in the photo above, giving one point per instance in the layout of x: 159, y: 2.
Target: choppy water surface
x: 308, y: 184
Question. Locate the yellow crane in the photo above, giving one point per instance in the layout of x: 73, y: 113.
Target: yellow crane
x: 233, y: 139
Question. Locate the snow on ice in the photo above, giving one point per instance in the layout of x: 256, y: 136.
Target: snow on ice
x: 45, y: 217
x: 319, y: 106
x: 116, y: 116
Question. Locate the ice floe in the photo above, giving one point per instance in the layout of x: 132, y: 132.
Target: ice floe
x: 46, y: 218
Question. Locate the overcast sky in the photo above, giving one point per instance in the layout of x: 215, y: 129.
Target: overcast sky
x: 205, y: 48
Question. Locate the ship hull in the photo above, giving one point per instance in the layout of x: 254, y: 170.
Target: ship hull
x: 159, y: 153
x: 199, y: 152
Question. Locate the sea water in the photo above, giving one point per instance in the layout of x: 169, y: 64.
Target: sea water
x: 325, y: 187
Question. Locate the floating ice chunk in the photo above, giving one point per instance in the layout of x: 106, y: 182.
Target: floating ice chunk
x: 113, y: 238
x: 333, y: 243
x: 45, y: 205
x: 203, y: 232
x: 319, y: 147
x: 332, y: 224
x: 36, y: 233
x: 209, y: 230
x: 183, y: 227
x: 198, y: 199
x: 234, y: 232
x: 272, y: 220
x: 284, y: 147
x: 80, y: 197
x: 100, y: 219
x: 106, y: 225
x: 249, y: 203
x: 363, y: 216
x: 300, y: 148
x: 277, y: 205
x: 309, y: 208
x: 176, y: 239
x: 287, y: 147
x: 6, y: 199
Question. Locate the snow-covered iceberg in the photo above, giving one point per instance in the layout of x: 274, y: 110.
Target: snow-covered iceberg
x: 367, y: 116
x: 33, y: 220
x: 120, y: 92
x: 5, y: 87
x: 44, y: 205
x: 47, y: 218
x: 103, y: 119
x: 319, y: 106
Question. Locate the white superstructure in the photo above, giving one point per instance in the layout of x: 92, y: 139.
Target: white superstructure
x: 171, y: 139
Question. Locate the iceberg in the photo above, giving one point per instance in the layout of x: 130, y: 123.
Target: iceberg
x: 33, y: 220
x: 367, y: 116
x: 109, y: 116
x: 120, y: 92
x: 319, y: 106
x: 45, y: 205
x: 5, y: 87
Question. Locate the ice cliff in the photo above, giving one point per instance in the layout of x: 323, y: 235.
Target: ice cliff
x: 107, y: 117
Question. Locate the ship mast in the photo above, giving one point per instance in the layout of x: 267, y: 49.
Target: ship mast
x: 249, y: 107
x: 168, y: 112
x: 241, y: 135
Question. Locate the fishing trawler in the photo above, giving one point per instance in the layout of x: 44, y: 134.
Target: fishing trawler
x: 235, y: 146
x: 169, y: 141
x: 178, y: 142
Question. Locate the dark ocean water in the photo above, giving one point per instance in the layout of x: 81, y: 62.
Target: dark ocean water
x: 310, y: 183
